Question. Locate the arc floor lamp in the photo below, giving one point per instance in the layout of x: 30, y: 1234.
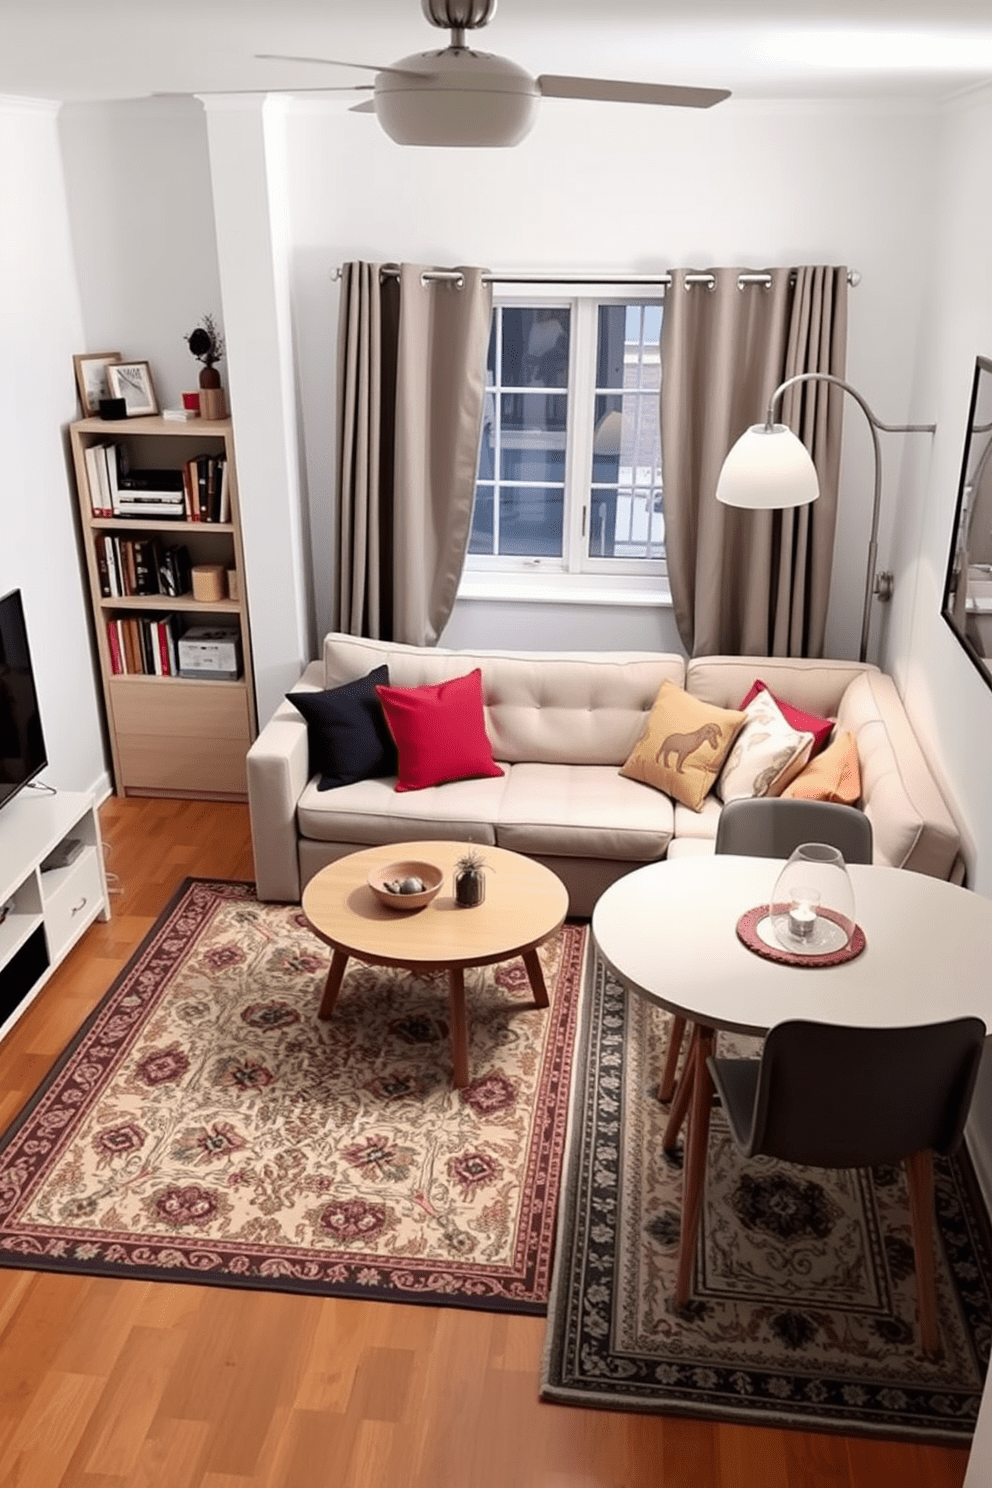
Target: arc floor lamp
x: 770, y: 468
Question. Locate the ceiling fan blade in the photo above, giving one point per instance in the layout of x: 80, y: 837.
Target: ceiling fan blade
x: 602, y: 90
x: 328, y: 62
x: 368, y: 107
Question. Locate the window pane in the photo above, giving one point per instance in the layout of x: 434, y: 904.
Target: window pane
x: 625, y: 513
x: 482, y: 537
x: 535, y: 347
x: 612, y: 341
x: 532, y: 437
x: 629, y: 352
x: 530, y: 521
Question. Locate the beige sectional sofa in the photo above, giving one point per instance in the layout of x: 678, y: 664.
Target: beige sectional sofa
x: 562, y: 723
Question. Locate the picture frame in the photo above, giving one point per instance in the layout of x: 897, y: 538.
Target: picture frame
x: 132, y: 381
x: 91, y: 379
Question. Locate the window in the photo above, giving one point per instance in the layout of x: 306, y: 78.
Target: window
x: 569, y: 474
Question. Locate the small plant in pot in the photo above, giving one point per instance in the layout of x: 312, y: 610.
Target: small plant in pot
x: 470, y: 879
x: 207, y: 345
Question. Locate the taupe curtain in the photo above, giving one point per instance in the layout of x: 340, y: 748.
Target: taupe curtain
x: 749, y: 583
x: 411, y: 388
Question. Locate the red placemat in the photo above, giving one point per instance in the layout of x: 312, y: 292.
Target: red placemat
x: 747, y: 933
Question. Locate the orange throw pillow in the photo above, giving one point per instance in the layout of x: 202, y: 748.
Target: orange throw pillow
x: 835, y: 775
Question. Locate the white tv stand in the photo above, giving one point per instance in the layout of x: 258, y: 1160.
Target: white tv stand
x: 46, y: 911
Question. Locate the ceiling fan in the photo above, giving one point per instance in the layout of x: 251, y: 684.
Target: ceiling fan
x: 458, y: 96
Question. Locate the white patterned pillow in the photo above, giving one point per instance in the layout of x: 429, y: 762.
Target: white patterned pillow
x: 766, y: 755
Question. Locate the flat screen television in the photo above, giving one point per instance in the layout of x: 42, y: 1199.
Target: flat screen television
x: 22, y: 743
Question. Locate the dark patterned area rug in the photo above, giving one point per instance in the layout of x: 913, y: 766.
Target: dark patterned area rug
x: 804, y: 1307
x: 206, y: 1126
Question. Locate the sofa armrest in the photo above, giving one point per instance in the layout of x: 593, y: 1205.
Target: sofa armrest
x: 278, y: 771
x: 912, y: 825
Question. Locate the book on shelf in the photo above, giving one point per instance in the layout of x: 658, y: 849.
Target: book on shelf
x: 130, y: 566
x: 144, y: 645
x: 207, y: 497
x: 97, y: 480
x: 175, y: 571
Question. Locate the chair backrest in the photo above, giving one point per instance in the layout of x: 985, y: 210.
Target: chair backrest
x: 774, y: 827
x: 836, y: 1097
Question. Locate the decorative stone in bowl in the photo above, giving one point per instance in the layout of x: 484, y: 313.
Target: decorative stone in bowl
x: 407, y: 884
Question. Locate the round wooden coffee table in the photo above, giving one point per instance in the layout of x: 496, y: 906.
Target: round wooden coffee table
x: 525, y: 904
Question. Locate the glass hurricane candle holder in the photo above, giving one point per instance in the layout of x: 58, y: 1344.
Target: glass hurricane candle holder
x: 813, y: 904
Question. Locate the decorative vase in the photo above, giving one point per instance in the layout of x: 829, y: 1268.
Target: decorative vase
x: 470, y: 884
x: 813, y: 904
x: 209, y: 377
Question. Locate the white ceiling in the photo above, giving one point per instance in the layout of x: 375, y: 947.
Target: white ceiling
x: 97, y: 49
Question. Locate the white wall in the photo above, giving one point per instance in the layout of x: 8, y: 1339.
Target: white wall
x: 949, y: 703
x: 625, y: 189
x: 40, y: 330
x: 141, y: 206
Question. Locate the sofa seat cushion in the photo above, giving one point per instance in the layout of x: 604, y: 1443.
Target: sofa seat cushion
x: 583, y: 811
x: 370, y: 811
x: 699, y: 825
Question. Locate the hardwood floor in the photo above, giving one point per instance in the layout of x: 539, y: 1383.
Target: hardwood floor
x: 107, y: 1384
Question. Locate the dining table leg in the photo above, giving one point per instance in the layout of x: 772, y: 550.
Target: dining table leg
x: 694, y: 1171
x: 683, y: 1095
x: 666, y: 1088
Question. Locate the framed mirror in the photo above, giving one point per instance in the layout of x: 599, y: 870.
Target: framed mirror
x: 967, y: 605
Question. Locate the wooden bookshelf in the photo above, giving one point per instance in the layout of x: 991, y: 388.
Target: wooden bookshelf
x: 169, y: 735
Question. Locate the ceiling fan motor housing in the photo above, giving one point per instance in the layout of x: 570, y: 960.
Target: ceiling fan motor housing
x: 458, y: 15
x: 456, y: 97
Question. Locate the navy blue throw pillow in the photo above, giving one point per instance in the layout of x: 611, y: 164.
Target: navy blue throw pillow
x: 347, y: 732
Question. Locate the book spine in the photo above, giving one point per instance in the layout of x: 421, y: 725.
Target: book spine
x: 111, y: 456
x: 225, y: 493
x: 190, y: 491
x: 114, y: 643
x: 101, y: 565
x: 201, y: 488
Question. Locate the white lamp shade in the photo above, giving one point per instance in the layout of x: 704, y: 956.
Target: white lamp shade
x: 768, y: 469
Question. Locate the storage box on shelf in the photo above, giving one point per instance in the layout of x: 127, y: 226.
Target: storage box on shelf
x: 52, y: 887
x: 145, y: 544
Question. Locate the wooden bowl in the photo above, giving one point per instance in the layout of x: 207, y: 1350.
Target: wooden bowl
x: 430, y: 875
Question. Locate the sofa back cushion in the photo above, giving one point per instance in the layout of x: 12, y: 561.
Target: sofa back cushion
x: 815, y: 686
x: 540, y: 706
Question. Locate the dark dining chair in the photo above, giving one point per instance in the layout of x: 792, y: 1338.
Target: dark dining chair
x: 829, y: 1096
x: 772, y: 827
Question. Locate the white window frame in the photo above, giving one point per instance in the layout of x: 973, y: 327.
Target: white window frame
x: 575, y: 574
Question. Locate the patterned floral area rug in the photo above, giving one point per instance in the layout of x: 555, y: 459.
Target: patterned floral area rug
x: 804, y: 1305
x: 206, y: 1126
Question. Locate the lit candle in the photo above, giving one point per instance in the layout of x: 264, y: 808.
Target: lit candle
x: 802, y: 915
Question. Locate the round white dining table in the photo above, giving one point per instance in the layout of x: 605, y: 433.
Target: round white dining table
x: 669, y: 932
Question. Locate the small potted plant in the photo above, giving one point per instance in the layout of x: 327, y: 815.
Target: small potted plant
x: 207, y: 345
x: 470, y: 880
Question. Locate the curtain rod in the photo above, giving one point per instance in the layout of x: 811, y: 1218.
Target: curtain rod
x: 452, y: 276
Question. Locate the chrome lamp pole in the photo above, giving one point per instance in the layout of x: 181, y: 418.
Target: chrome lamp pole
x: 770, y: 468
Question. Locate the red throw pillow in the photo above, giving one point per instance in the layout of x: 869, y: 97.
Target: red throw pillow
x: 440, y: 731
x: 807, y: 723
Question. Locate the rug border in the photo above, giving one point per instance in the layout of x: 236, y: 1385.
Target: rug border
x: 58, y: 1064
x: 804, y: 1420
x: 285, y: 1285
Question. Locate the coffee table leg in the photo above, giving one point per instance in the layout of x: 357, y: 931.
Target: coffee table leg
x: 332, y: 986
x: 459, y: 1032
x: 694, y: 1173
x: 533, y: 964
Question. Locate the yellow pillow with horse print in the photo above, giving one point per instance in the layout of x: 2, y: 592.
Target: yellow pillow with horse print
x: 683, y: 746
